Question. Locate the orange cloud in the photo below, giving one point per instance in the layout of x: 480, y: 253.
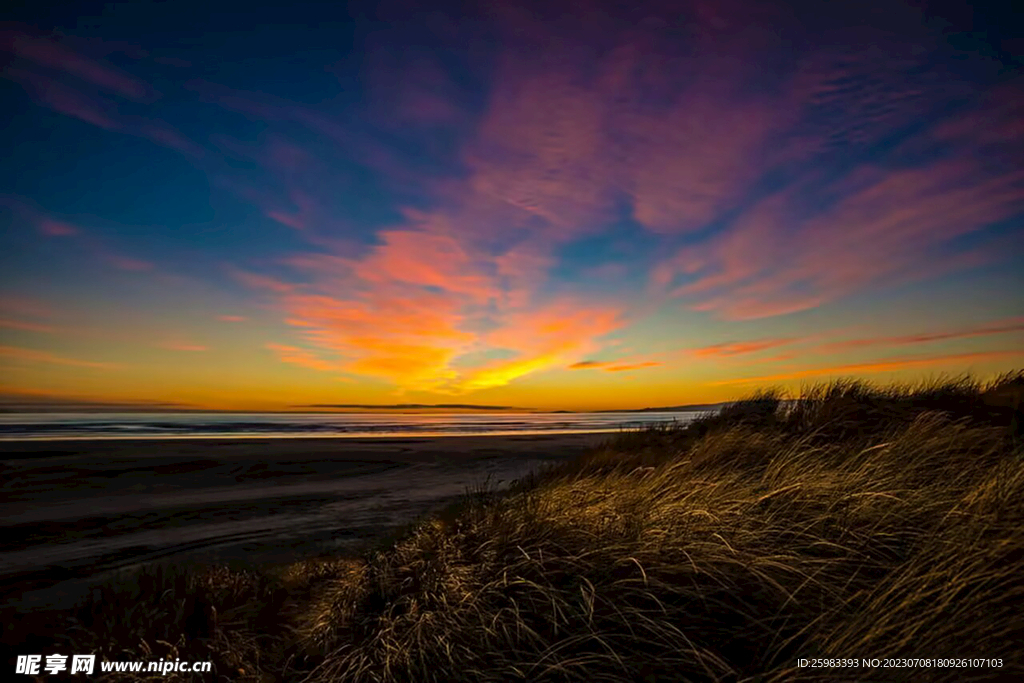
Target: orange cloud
x: 302, y: 357
x: 183, y: 346
x: 632, y: 366
x: 739, y: 348
x: 884, y: 365
x: 232, y: 318
x: 392, y: 332
x: 1006, y: 327
x: 428, y: 260
x: 543, y: 339
x: 26, y: 326
x: 36, y: 356
x: 417, y: 303
x: 612, y: 366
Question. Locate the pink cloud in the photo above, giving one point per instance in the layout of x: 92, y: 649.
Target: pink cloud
x: 25, y: 307
x: 80, y: 99
x: 232, y: 318
x: 65, y: 99
x: 26, y: 326
x: 51, y: 54
x: 427, y: 260
x: 166, y: 135
x: 890, y: 226
x: 127, y: 263
x: 258, y: 281
x: 1008, y: 326
x: 53, y: 228
x: 739, y: 348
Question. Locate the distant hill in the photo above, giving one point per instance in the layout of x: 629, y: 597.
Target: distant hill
x: 669, y: 409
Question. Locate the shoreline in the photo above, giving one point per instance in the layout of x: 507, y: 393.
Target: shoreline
x: 357, y: 436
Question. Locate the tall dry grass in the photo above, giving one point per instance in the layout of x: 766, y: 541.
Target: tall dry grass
x: 853, y: 522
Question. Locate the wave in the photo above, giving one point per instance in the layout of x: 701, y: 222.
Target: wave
x: 165, y: 425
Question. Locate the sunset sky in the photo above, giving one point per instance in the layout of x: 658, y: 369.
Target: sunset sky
x: 551, y: 205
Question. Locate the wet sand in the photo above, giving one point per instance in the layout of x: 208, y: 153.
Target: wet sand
x: 73, y: 509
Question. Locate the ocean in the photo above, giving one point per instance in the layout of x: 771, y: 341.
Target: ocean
x: 21, y: 426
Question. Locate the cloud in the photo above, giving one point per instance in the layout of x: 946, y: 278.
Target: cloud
x: 740, y: 348
x: 15, y: 353
x: 182, y: 346
x: 122, y: 262
x: 543, y: 339
x: 1004, y: 327
x: 43, y: 66
x: 612, y: 366
x: 25, y: 307
x: 49, y: 53
x: 632, y: 366
x: 232, y: 318
x: 882, y: 365
x: 588, y: 364
x: 424, y: 259
x: 400, y: 334
x: 54, y: 228
x: 28, y: 400
x: 65, y: 99
x: 874, y: 225
x: 411, y: 321
x: 259, y: 281
x: 26, y: 326
x: 302, y: 358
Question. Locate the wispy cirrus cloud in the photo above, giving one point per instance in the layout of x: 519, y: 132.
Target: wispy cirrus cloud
x: 740, y: 348
x: 882, y: 365
x: 94, y: 244
x: 122, y: 262
x: 55, y: 228
x: 46, y: 51
x: 62, y: 78
x: 612, y: 366
x: 15, y: 353
x: 302, y: 357
x: 1008, y: 326
x: 178, y: 345
x: 27, y: 326
x: 879, y: 226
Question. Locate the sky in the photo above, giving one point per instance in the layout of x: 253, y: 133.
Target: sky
x: 553, y: 205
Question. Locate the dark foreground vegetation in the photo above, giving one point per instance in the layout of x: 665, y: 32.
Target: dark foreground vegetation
x: 858, y: 522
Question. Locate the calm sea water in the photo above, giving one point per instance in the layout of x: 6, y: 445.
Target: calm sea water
x: 19, y: 426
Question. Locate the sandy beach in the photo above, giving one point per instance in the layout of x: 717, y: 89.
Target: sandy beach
x: 76, y: 508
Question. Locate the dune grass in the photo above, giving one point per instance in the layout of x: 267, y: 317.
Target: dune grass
x: 853, y: 522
